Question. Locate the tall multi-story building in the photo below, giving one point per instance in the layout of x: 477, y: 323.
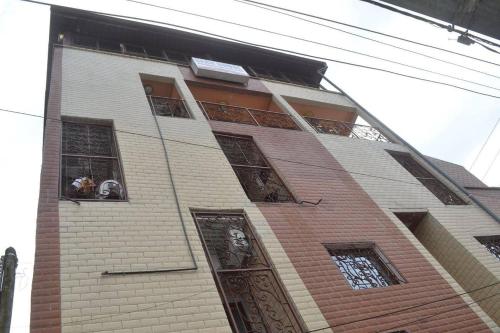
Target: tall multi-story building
x: 191, y: 184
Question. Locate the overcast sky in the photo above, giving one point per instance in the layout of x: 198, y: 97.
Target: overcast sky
x: 440, y: 121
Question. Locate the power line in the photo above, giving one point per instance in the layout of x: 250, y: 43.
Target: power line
x: 312, y: 42
x: 279, y: 49
x: 491, y: 164
x: 218, y: 148
x: 269, y: 8
x: 440, y: 313
x: 435, y: 23
x: 484, y: 144
x: 405, y: 309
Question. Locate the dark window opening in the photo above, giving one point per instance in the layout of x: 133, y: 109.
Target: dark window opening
x: 164, y: 99
x: 258, y: 179
x: 90, y: 164
x: 491, y: 243
x: 427, y: 179
x: 411, y: 219
x: 363, y: 266
x: 253, y: 296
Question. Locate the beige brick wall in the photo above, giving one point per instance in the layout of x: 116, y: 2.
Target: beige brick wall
x: 145, y: 232
x: 375, y: 170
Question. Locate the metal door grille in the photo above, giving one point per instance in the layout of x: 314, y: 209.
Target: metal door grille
x: 253, y: 297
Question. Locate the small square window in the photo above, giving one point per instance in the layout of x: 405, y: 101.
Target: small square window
x: 363, y: 265
x: 491, y: 243
x: 90, y: 165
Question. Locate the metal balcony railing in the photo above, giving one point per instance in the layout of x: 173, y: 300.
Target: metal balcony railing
x: 242, y: 115
x: 351, y: 130
x: 168, y: 107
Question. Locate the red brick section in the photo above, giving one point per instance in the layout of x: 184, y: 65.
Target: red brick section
x: 347, y: 214
x: 45, y: 292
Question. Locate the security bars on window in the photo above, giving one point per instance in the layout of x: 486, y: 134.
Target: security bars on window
x: 492, y: 244
x: 168, y: 107
x: 260, y: 182
x: 363, y: 267
x: 440, y: 190
x: 250, y: 289
x: 90, y: 164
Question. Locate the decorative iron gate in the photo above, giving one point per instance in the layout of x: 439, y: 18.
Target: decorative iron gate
x: 253, y: 297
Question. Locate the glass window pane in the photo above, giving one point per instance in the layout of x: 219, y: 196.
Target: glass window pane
x: 101, y: 141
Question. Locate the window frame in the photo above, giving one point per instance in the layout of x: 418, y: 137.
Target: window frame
x: 97, y: 122
x: 435, y: 178
x: 270, y: 166
x: 384, y: 260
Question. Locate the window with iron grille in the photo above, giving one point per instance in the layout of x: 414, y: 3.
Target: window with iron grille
x: 90, y: 166
x: 491, y: 243
x: 363, y: 265
x: 259, y: 180
x: 427, y: 179
x: 250, y: 289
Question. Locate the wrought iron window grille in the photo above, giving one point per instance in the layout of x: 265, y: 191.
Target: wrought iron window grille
x: 168, y: 107
x: 259, y: 181
x: 441, y: 191
x: 253, y: 296
x: 363, y: 265
x: 90, y: 165
x: 491, y: 243
x: 242, y: 115
x: 351, y: 130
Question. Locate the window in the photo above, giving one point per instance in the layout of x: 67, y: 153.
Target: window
x: 260, y: 182
x: 90, y: 164
x: 164, y: 99
x: 363, y: 265
x: 427, y: 179
x: 250, y: 289
x: 491, y: 243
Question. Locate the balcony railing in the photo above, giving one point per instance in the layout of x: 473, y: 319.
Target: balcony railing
x: 351, y: 130
x: 168, y: 107
x: 242, y: 115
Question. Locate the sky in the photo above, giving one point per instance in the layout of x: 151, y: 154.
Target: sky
x: 439, y: 121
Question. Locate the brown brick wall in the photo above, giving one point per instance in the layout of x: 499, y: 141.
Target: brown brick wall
x: 45, y: 292
x: 347, y: 214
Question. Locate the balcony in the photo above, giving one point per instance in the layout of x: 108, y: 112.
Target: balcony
x: 351, y: 130
x: 243, y: 115
x: 168, y: 107
x: 222, y: 102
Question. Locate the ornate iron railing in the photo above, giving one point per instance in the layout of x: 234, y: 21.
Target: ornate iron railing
x: 168, y: 107
x: 363, y: 267
x: 242, y: 115
x: 351, y: 130
x: 250, y: 289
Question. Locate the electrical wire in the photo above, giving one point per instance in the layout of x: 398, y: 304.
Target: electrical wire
x: 312, y: 42
x: 281, y: 9
x: 139, y: 310
x: 404, y: 309
x: 450, y: 28
x: 218, y: 148
x: 491, y: 164
x: 261, y: 46
x: 484, y: 144
x: 440, y: 313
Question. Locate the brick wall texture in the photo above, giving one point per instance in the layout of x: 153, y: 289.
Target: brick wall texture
x: 46, y: 285
x: 145, y: 233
